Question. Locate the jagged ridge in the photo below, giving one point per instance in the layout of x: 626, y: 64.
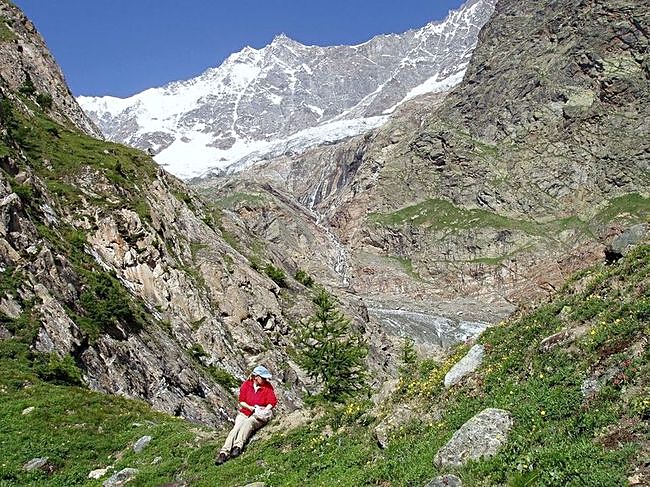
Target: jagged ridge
x: 262, y: 101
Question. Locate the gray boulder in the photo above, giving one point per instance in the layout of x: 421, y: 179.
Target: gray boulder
x: 121, y: 477
x: 445, y: 481
x: 98, y: 473
x: 465, y: 366
x: 141, y: 443
x: 4, y: 333
x: 35, y: 463
x: 624, y: 242
x: 481, y: 436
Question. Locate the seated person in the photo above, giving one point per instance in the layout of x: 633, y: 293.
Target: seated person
x: 257, y: 400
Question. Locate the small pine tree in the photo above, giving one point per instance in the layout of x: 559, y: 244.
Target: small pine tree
x: 408, y: 357
x: 331, y: 352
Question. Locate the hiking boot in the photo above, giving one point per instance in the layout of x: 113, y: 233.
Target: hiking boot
x: 235, y: 452
x: 221, y: 459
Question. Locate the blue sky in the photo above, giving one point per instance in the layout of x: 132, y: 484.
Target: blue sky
x: 121, y: 47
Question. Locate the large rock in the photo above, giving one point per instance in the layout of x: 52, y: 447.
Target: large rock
x: 35, y: 463
x: 622, y: 243
x: 141, y: 443
x: 445, y: 481
x: 479, y: 437
x: 120, y: 478
x: 465, y: 366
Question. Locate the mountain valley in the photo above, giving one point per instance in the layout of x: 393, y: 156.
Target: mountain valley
x: 487, y: 236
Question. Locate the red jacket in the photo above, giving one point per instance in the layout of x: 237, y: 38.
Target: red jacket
x: 264, y: 396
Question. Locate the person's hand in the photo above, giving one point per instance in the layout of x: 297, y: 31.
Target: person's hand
x: 263, y: 413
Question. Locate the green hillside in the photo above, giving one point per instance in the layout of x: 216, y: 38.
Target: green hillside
x: 559, y: 437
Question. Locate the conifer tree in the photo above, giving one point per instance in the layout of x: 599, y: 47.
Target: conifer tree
x: 331, y: 351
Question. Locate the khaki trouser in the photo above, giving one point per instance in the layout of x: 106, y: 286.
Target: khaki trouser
x: 244, y: 428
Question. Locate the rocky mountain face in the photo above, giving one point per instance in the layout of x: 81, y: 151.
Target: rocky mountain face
x: 26, y: 64
x: 288, y: 96
x: 522, y: 174
x: 109, y: 262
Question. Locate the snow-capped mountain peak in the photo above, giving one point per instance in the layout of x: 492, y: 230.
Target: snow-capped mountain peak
x: 289, y: 96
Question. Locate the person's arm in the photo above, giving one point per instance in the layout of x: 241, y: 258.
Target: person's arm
x: 272, y: 400
x: 244, y: 404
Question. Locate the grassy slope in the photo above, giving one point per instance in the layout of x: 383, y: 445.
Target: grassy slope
x: 443, y: 215
x: 62, y: 157
x: 558, y: 437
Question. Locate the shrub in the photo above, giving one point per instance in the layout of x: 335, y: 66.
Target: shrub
x: 197, y: 351
x: 51, y: 368
x: 223, y: 378
x: 27, y: 88
x: 255, y: 262
x: 107, y: 304
x: 303, y: 278
x: 408, y: 357
x: 276, y: 274
x: 24, y: 192
x: 7, y: 117
x: 44, y: 100
x: 331, y: 352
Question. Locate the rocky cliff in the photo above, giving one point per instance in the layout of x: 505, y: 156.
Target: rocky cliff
x: 524, y: 172
x: 27, y: 65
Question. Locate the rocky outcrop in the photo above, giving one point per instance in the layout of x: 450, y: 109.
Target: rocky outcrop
x: 210, y: 310
x: 480, y: 437
x: 25, y: 62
